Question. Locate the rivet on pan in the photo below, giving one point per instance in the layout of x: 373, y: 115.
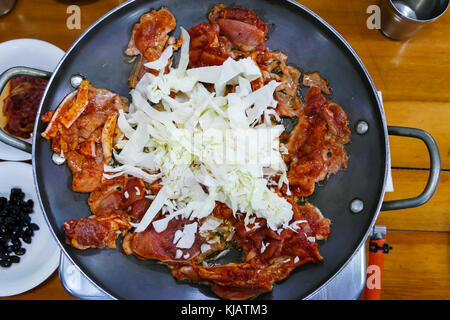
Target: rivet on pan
x: 75, y: 80
x: 356, y: 206
x: 362, y: 127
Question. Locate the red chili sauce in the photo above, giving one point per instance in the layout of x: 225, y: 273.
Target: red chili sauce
x: 21, y: 104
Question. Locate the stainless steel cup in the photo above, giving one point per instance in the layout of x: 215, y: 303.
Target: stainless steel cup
x: 6, y: 6
x: 401, y: 19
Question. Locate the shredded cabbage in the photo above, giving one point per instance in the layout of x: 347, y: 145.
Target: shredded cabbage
x: 205, y: 147
x: 161, y: 63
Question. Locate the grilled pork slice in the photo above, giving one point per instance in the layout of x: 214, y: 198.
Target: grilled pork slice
x: 221, y: 11
x: 180, y: 241
x: 150, y: 35
x: 241, y: 26
x: 231, y: 32
x: 95, y: 232
x: 316, y: 144
x: 118, y: 196
x: 273, y: 67
x: 207, y: 46
x: 313, y: 79
x: 270, y: 256
x: 77, y: 131
x: 148, y: 40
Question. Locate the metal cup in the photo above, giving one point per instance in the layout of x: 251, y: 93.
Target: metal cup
x: 6, y: 6
x: 401, y: 19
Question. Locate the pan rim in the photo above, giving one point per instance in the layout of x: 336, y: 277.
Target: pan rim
x: 324, y: 24
x: 35, y: 137
x: 386, y: 140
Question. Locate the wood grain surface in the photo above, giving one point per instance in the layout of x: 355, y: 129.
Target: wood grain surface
x: 414, y: 77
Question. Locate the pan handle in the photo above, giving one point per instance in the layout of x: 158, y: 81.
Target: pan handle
x: 4, y: 79
x: 435, y: 169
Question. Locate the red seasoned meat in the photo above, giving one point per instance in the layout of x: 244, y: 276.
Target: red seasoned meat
x: 21, y: 104
x: 316, y: 144
x: 95, y: 232
x: 81, y: 142
x: 148, y: 40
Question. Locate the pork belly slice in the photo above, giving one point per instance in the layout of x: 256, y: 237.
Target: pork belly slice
x: 313, y: 79
x: 207, y: 46
x: 237, y: 281
x: 221, y: 11
x: 163, y: 245
x: 148, y: 40
x: 86, y: 170
x: 316, y: 144
x: 231, y: 32
x: 95, y: 232
x: 118, y: 196
x: 244, y: 36
x: 240, y: 26
x: 150, y: 35
x: 79, y: 134
x: 273, y: 67
x: 270, y: 256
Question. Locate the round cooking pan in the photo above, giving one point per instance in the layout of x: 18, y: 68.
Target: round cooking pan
x: 312, y: 45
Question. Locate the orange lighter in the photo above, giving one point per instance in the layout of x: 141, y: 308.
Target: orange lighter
x: 377, y: 250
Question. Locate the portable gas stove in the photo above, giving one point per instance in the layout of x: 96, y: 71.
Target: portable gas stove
x: 348, y: 284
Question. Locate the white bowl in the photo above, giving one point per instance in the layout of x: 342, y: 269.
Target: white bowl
x: 42, y: 255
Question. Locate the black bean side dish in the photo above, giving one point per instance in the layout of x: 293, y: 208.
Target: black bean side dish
x: 15, y: 224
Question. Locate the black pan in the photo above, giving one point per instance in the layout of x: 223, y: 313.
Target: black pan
x: 312, y: 45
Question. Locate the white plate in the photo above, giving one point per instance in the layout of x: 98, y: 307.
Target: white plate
x: 43, y: 253
x: 28, y: 53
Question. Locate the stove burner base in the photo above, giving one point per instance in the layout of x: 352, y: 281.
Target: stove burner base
x: 346, y: 285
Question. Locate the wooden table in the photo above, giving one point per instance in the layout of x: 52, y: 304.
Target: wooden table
x: 414, y: 78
